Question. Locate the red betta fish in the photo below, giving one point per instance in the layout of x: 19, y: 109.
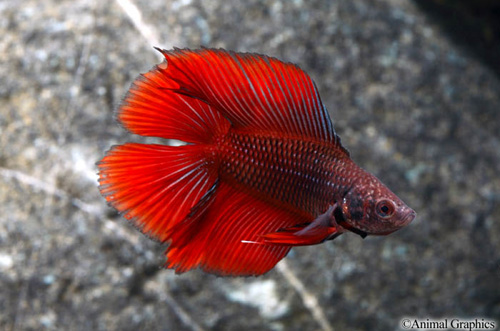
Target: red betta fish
x: 262, y: 169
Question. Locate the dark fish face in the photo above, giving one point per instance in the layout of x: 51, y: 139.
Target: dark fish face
x: 374, y: 209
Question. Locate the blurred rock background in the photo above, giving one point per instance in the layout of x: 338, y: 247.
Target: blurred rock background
x: 416, y: 104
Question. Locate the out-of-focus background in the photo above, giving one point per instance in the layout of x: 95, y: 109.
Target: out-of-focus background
x: 414, y: 91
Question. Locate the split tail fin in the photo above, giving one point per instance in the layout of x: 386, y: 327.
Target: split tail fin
x: 156, y: 186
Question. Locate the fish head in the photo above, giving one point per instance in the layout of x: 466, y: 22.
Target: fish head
x: 371, y: 208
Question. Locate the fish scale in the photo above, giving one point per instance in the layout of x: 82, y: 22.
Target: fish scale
x: 306, y: 175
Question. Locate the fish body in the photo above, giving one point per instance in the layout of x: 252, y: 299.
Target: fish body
x: 309, y: 170
x: 262, y: 171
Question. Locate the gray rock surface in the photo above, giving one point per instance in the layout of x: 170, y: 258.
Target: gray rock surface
x: 411, y: 106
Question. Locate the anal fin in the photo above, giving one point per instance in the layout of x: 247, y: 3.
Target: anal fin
x: 224, y: 239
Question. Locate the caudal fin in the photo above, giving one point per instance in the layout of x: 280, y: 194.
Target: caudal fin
x: 152, y: 107
x: 156, y: 186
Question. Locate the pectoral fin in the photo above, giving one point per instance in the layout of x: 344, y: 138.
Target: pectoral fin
x: 324, y: 227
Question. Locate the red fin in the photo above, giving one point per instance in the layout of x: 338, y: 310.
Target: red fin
x: 322, y: 228
x: 255, y: 92
x: 225, y: 239
x: 152, y: 108
x: 155, y: 186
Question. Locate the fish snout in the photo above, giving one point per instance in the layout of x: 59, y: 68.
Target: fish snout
x: 407, y: 215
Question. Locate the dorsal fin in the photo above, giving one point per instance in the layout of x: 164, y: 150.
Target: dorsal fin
x: 255, y: 92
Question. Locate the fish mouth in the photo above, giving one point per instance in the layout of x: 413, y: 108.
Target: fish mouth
x: 409, y: 218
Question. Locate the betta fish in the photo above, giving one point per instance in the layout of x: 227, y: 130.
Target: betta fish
x: 261, y: 169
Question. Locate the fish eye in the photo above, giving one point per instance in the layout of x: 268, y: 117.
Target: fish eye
x: 385, y: 208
